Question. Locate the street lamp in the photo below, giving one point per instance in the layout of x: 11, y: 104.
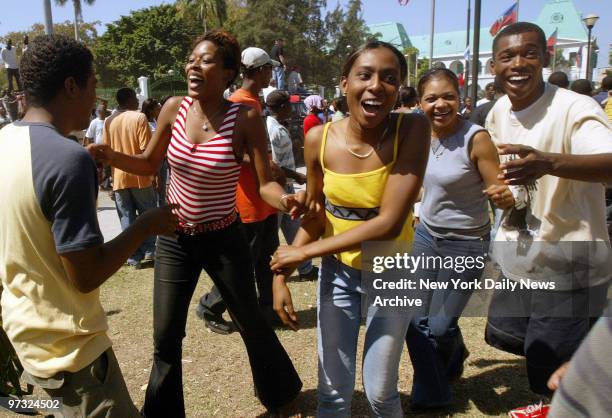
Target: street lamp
x: 589, y: 21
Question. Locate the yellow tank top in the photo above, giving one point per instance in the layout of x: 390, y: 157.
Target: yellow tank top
x: 351, y: 199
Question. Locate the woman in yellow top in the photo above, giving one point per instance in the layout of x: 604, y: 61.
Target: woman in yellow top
x: 366, y: 171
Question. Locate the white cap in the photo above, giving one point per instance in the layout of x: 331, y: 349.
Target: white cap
x: 256, y: 57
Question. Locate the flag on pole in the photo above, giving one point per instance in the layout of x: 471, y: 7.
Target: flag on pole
x: 510, y: 16
x: 551, y: 43
x: 403, y: 2
x: 579, y: 58
x: 466, y: 53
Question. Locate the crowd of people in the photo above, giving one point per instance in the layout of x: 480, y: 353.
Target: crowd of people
x: 537, y: 154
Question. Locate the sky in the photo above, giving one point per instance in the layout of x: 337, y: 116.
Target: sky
x: 450, y: 14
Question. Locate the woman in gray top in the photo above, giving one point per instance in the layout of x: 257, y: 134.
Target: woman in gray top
x: 461, y: 175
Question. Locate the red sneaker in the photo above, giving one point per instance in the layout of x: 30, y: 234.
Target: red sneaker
x: 531, y: 411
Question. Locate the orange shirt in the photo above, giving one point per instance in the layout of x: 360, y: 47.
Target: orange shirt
x: 249, y: 203
x: 127, y: 132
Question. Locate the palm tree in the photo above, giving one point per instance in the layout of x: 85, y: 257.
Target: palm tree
x: 215, y: 8
x: 78, y: 15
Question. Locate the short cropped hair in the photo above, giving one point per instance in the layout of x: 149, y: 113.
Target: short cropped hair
x: 228, y: 47
x: 124, y: 94
x: 559, y: 78
x: 518, y: 28
x: 408, y: 96
x: 48, y: 62
x: 582, y: 86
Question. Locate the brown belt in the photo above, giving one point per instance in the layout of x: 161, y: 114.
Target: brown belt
x: 201, y: 228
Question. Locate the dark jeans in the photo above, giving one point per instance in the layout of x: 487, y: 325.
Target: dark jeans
x: 225, y: 257
x: 262, y: 238
x: 434, y: 339
x: 10, y: 74
x: 546, y: 341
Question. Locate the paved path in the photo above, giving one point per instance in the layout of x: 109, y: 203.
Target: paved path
x: 107, y: 216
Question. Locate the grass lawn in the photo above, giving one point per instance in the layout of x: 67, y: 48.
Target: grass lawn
x: 216, y: 374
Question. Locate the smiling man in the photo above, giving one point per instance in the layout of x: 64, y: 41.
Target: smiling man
x: 556, y: 152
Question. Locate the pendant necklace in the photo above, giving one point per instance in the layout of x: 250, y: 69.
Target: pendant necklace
x: 367, y: 154
x: 435, y: 152
x: 205, y: 126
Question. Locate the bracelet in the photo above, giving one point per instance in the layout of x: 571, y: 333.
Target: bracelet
x: 284, y: 196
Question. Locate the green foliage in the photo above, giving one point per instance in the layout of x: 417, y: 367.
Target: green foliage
x: 88, y: 33
x: 211, y: 13
x: 315, y: 43
x: 411, y: 53
x: 148, y: 42
x: 77, y: 6
x: 423, y: 67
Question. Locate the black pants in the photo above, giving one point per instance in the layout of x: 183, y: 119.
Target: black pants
x: 10, y: 74
x: 546, y: 340
x: 225, y: 256
x: 262, y: 238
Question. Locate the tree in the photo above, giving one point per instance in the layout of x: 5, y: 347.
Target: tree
x: 209, y: 12
x: 78, y: 13
x: 148, y: 42
x: 88, y: 33
x: 412, y: 54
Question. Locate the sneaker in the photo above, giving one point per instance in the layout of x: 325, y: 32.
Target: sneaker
x: 215, y: 323
x: 538, y: 410
x: 313, y: 274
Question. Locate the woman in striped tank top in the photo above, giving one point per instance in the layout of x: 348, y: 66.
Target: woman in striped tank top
x: 205, y: 139
x: 366, y: 170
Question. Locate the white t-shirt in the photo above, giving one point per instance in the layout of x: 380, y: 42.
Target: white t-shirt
x: 9, y: 56
x: 95, y: 130
x: 282, y: 147
x: 559, y: 212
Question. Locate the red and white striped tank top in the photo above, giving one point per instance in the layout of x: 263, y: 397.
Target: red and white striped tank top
x: 204, y: 176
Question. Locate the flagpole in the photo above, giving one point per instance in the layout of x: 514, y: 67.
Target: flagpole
x: 431, y: 36
x: 467, y: 44
x: 476, y: 50
x: 518, y: 4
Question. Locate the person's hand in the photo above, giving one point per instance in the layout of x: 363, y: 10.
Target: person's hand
x: 101, y: 153
x: 293, y: 204
x: 500, y: 195
x: 530, y: 166
x: 160, y: 221
x: 557, y: 376
x: 287, y: 256
x: 282, y: 302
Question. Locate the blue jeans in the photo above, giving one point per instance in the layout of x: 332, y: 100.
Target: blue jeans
x: 278, y: 73
x: 339, y: 317
x: 434, y: 341
x: 131, y: 203
x: 290, y: 227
